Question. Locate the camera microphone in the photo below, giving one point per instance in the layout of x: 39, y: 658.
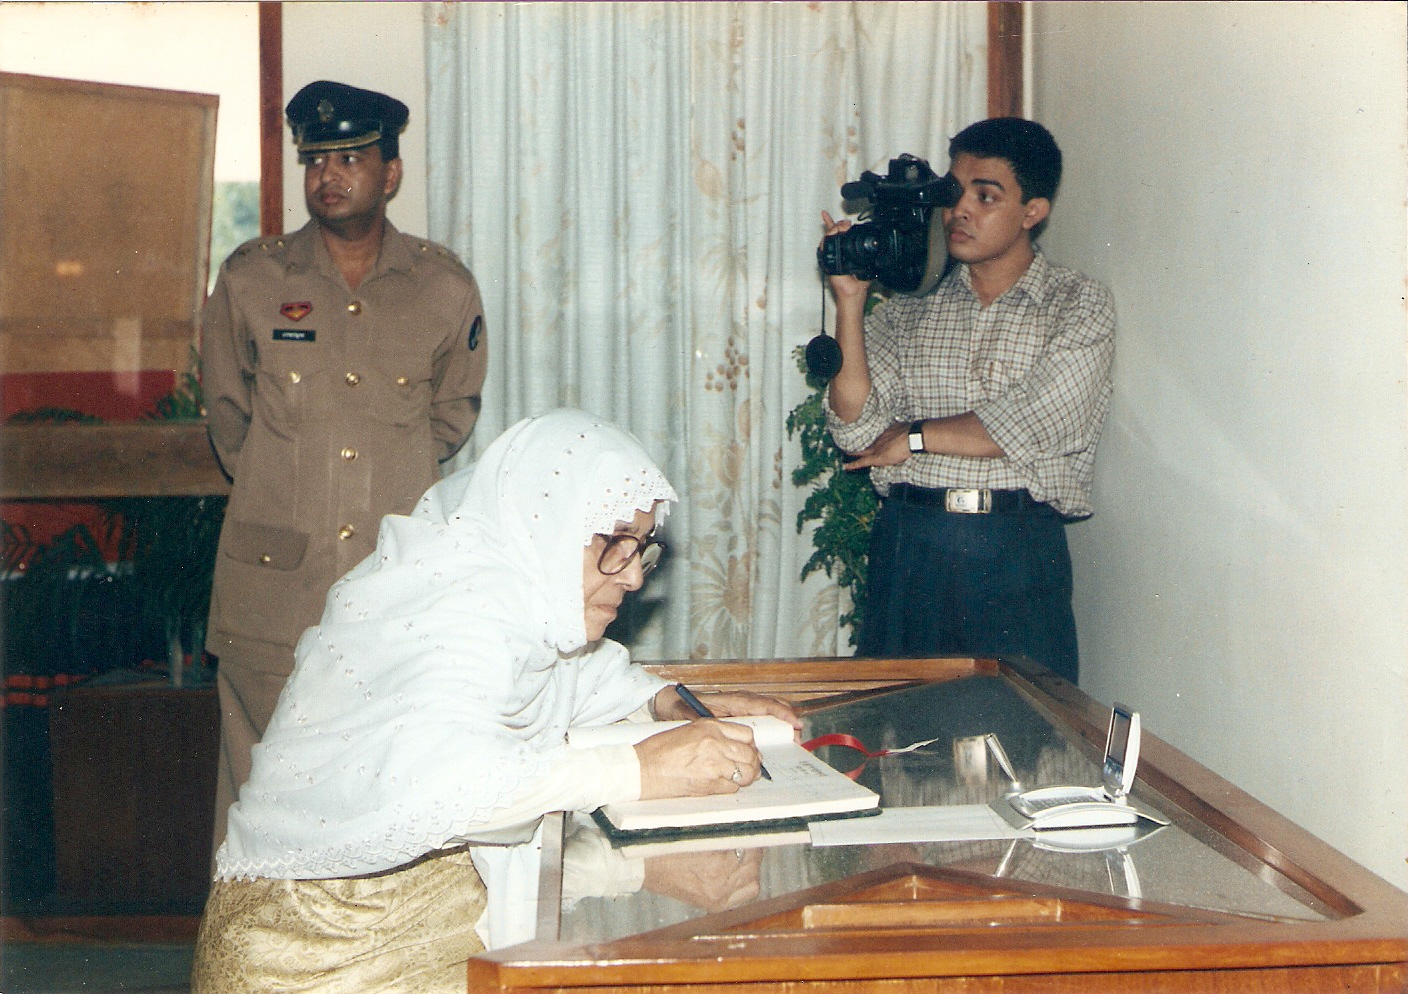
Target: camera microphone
x: 823, y: 357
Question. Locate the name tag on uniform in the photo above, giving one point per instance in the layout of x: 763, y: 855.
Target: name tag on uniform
x: 295, y: 335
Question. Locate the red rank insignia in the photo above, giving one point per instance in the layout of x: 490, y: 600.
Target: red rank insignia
x: 297, y: 311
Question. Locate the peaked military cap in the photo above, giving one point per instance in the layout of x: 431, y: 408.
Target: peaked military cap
x: 327, y: 116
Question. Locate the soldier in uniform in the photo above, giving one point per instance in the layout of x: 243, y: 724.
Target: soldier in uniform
x: 341, y: 365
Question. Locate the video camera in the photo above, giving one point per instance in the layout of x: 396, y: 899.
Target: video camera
x: 893, y: 243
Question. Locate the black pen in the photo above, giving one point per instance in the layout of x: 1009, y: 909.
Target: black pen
x: 697, y: 706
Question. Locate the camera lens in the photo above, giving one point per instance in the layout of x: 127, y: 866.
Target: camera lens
x: 853, y: 252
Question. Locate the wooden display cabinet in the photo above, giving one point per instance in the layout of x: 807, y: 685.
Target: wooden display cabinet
x: 1230, y: 897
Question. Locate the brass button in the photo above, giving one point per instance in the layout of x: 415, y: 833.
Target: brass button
x: 294, y: 376
x: 355, y: 307
x: 352, y: 379
x: 402, y: 380
x: 265, y: 559
x: 349, y: 454
x: 346, y: 532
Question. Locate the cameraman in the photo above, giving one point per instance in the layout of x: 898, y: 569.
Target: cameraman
x: 978, y: 408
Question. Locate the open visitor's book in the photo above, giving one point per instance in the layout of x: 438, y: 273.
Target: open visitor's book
x: 802, y: 788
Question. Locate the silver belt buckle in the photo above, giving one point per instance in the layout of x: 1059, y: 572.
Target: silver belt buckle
x: 968, y: 501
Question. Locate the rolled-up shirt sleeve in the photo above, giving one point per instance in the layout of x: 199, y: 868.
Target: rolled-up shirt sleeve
x: 888, y: 395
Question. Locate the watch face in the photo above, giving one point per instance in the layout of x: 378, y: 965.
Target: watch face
x: 916, y: 439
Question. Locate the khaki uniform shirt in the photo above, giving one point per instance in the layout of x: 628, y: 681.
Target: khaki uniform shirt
x: 329, y: 408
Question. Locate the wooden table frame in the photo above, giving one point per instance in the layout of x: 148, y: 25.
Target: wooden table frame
x: 911, y: 928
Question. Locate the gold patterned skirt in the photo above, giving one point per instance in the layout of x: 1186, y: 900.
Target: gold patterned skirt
x: 411, y: 929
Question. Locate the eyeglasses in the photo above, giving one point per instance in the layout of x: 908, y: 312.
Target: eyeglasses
x: 621, y: 549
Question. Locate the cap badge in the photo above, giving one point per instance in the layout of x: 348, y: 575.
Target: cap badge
x: 325, y: 111
x: 296, y: 311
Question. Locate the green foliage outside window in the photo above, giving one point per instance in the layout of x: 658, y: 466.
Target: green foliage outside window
x: 234, y: 220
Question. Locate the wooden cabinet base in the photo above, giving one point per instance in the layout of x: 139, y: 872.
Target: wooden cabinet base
x: 134, y: 793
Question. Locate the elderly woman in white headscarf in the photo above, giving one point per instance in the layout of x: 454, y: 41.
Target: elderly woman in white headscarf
x: 420, y: 738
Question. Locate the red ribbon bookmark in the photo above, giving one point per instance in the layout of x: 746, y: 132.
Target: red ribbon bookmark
x: 847, y: 741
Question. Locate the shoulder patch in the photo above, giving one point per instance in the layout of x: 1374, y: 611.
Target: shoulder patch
x: 475, y: 330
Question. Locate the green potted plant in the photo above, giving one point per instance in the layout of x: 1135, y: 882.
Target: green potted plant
x: 67, y: 610
x: 171, y: 543
x: 842, y: 503
x: 165, y: 561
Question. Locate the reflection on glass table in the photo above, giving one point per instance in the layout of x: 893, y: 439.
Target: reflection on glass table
x: 620, y: 892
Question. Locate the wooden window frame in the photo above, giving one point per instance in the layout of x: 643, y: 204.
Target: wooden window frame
x: 271, y: 118
x: 1005, y: 59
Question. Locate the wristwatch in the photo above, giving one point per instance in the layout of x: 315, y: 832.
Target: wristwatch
x: 916, y: 436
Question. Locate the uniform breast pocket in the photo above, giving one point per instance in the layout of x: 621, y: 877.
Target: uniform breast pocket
x: 291, y: 386
x: 399, y: 390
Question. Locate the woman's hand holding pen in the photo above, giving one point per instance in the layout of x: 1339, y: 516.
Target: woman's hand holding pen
x: 703, y: 757
x: 706, y: 756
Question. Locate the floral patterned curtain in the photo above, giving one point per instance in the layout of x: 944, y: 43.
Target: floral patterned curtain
x: 638, y: 188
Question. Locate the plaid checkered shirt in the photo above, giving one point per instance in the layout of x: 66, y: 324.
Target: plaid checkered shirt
x: 1034, y: 366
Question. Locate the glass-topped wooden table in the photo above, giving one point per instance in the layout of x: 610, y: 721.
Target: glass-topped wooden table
x: 1229, y: 896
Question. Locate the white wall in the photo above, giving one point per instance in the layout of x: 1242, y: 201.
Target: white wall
x: 1236, y: 174
x: 376, y: 46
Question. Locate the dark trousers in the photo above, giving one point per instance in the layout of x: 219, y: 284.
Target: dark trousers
x: 943, y: 583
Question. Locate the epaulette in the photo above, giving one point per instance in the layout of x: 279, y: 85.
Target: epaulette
x: 431, y: 250
x: 256, y: 247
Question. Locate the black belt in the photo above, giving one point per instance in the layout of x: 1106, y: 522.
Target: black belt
x: 963, y: 500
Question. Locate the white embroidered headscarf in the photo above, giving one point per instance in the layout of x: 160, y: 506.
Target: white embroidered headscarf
x: 446, y: 667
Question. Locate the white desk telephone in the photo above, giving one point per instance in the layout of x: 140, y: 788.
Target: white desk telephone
x: 1080, y: 807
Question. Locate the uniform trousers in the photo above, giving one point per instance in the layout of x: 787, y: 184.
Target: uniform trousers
x: 949, y: 583
x: 249, y: 678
